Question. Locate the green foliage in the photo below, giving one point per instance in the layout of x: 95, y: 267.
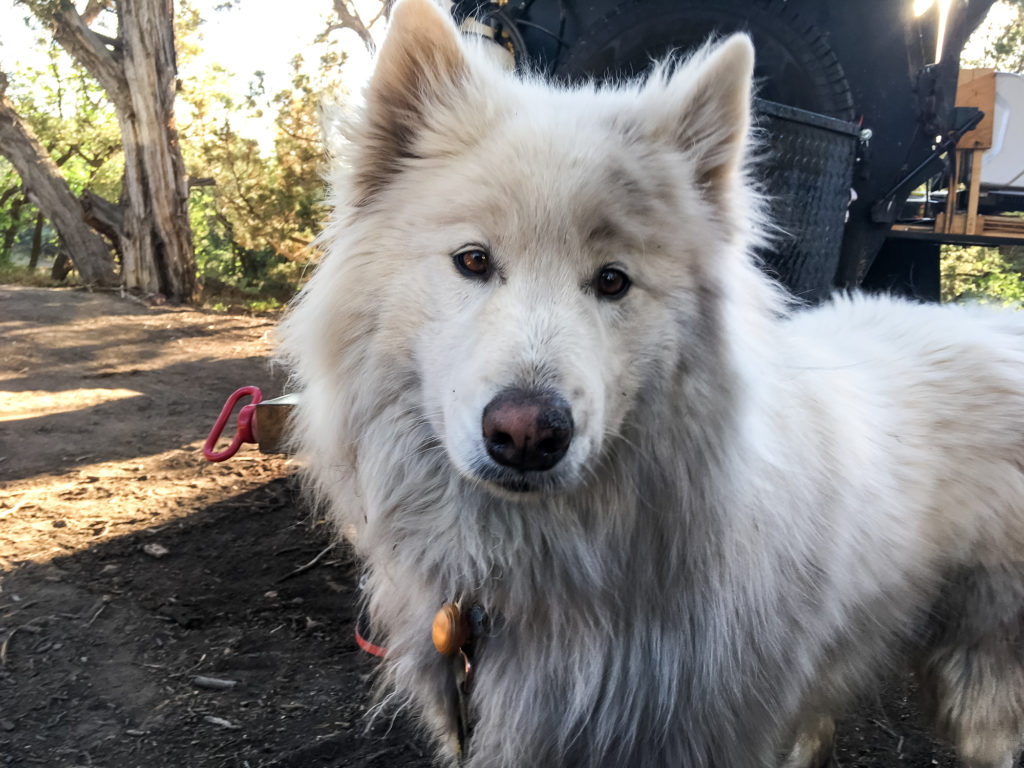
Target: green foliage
x: 990, y: 275
x: 253, y: 228
x: 999, y: 43
x: 12, y: 274
x: 10, y: 217
x: 987, y: 275
x: 73, y: 119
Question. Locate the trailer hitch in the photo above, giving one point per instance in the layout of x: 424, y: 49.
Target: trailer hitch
x: 259, y: 421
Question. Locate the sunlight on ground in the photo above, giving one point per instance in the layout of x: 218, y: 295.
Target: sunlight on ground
x: 49, y: 516
x: 32, y: 404
x: 103, y: 411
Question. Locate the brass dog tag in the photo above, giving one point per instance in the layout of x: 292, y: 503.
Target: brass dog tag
x: 450, y: 630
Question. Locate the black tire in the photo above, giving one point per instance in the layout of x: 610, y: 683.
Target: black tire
x: 795, y: 64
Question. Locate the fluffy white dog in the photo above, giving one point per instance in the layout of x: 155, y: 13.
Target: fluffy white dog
x: 542, y: 379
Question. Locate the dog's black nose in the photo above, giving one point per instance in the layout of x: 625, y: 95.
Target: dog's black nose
x: 527, y: 430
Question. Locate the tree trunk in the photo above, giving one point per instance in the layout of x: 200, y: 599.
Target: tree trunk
x: 157, y: 253
x: 105, y: 217
x: 50, y: 192
x: 12, y: 229
x: 138, y: 71
x: 37, y: 242
x: 61, y: 265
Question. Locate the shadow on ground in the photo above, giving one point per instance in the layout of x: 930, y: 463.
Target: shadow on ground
x: 101, y: 649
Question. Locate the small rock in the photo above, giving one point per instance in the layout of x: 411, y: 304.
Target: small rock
x: 60, y: 524
x: 7, y: 725
x: 155, y: 550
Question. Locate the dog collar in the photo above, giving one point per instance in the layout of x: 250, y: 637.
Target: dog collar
x: 362, y: 632
x: 457, y: 627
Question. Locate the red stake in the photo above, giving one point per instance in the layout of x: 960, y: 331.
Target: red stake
x: 244, y: 433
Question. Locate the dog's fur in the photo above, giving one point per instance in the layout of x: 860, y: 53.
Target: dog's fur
x: 760, y: 509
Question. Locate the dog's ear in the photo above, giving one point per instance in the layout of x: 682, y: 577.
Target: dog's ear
x: 703, y: 108
x: 419, y: 65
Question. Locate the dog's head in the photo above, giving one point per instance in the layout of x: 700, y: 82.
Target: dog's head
x: 545, y: 257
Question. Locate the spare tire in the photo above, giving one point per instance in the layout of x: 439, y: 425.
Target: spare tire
x: 794, y: 63
x: 807, y: 172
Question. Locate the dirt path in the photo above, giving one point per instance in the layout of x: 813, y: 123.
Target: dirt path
x: 104, y: 404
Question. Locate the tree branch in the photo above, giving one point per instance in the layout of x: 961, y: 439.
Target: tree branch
x: 348, y: 18
x: 93, y: 9
x: 104, y: 216
x: 385, y: 11
x: 49, y: 192
x: 89, y: 49
x: 9, y: 193
x: 112, y: 43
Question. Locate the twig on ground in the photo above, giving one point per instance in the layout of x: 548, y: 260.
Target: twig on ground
x: 7, y: 640
x: 15, y: 508
x: 213, y: 683
x: 307, y: 566
x: 221, y: 722
x: 17, y: 607
x: 885, y: 728
x: 103, y: 602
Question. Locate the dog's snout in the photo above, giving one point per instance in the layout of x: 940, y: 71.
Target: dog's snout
x: 527, y: 430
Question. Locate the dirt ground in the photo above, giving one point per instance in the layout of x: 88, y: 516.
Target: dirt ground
x: 105, y: 638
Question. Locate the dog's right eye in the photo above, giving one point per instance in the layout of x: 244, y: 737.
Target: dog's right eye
x: 473, y: 262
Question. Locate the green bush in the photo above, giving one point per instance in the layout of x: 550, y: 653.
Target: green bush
x: 986, y: 275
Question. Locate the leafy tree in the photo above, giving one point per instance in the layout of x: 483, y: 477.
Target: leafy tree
x: 72, y: 119
x: 1003, y: 43
x: 255, y: 225
x: 136, y: 69
x: 254, y: 205
x: 47, y: 189
x: 983, y: 274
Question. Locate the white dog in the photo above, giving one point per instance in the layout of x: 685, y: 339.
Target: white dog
x: 541, y: 377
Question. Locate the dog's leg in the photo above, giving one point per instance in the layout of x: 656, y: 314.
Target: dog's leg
x: 972, y: 672
x: 812, y: 743
x: 976, y: 696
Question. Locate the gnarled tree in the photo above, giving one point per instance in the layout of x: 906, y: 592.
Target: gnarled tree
x: 138, y: 71
x: 44, y: 186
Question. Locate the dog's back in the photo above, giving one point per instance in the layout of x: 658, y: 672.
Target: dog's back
x: 927, y: 408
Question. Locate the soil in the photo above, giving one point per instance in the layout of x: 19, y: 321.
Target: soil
x: 131, y: 569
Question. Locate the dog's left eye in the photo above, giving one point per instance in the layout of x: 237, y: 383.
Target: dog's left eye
x: 612, y: 283
x: 473, y: 262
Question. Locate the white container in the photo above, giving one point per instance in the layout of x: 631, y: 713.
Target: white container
x: 1002, y: 166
